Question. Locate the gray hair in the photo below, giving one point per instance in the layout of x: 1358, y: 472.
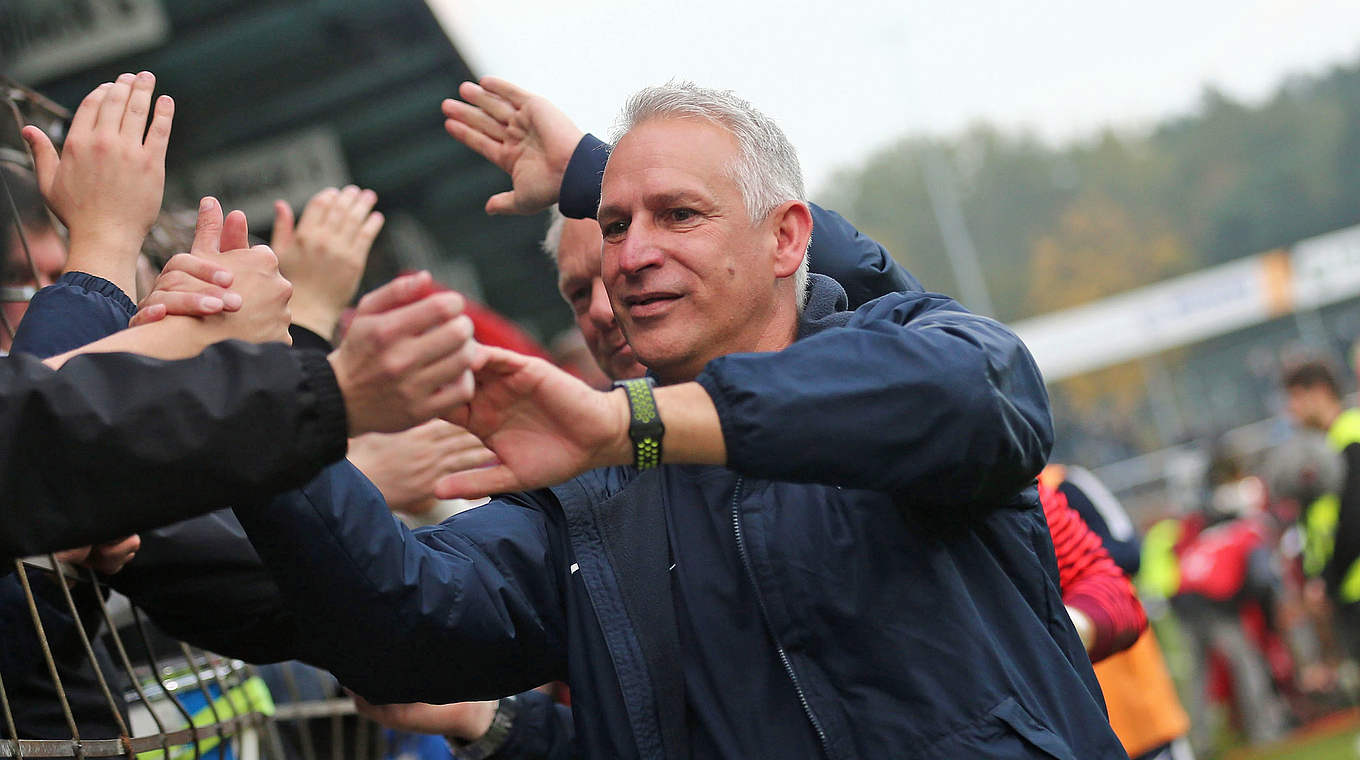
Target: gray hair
x: 552, y: 239
x: 766, y: 170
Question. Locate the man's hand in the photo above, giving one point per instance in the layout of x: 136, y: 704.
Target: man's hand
x: 195, y: 284
x: 408, y: 356
x: 324, y: 256
x: 106, y: 185
x: 464, y: 720
x: 405, y: 466
x: 106, y: 558
x: 524, y: 134
x: 544, y: 426
x: 254, y: 310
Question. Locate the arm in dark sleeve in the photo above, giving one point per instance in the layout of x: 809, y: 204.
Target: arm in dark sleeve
x: 1106, y: 518
x: 468, y: 609
x: 78, y: 309
x: 863, y: 267
x: 543, y: 730
x: 112, y: 444
x: 915, y: 396
x: 201, y: 581
x: 1347, y: 547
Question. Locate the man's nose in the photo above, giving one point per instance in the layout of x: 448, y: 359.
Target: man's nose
x: 640, y: 249
x: 601, y: 312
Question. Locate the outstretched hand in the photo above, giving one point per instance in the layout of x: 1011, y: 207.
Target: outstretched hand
x: 107, y: 184
x: 325, y: 254
x: 544, y: 426
x: 407, y: 357
x: 524, y: 134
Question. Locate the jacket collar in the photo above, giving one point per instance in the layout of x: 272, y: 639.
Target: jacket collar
x: 827, y: 306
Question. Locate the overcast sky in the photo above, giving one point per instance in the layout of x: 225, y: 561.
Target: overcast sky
x: 845, y: 76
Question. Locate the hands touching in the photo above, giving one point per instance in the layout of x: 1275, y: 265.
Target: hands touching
x: 524, y: 134
x: 406, y: 465
x: 408, y: 356
x: 463, y: 720
x: 195, y: 284
x: 107, y: 184
x: 324, y: 255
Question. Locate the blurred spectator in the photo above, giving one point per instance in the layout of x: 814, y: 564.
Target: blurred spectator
x: 1140, y: 696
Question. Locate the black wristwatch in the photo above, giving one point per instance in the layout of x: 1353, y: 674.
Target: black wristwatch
x: 493, y: 740
x: 645, y: 428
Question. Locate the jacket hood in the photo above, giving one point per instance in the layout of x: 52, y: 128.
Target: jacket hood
x: 827, y: 306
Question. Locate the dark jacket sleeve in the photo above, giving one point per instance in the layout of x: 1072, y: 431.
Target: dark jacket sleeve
x: 468, y: 609
x: 863, y: 267
x: 78, y: 309
x: 1347, y: 548
x: 914, y: 396
x: 543, y: 730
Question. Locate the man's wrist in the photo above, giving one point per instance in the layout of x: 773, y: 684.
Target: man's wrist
x: 107, y: 255
x: 618, y: 450
x: 321, y: 320
x: 493, y: 738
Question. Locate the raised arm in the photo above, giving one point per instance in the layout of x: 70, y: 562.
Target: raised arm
x: 107, y: 184
x: 550, y: 160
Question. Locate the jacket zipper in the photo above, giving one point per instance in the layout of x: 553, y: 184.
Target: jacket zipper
x: 765, y: 616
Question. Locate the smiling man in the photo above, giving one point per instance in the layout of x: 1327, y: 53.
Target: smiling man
x: 818, y: 537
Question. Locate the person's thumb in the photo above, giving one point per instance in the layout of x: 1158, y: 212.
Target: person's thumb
x: 282, y: 239
x: 45, y: 158
x: 502, y: 203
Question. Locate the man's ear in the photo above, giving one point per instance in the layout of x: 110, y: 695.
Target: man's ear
x: 792, y: 226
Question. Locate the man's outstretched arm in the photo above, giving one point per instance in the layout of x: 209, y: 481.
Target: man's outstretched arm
x: 915, y: 396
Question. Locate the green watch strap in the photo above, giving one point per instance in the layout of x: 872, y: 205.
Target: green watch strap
x: 644, y: 428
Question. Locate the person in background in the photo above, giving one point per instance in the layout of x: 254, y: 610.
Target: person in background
x: 1145, y: 711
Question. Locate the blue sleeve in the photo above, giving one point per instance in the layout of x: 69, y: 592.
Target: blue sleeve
x: 78, y: 309
x: 914, y: 396
x: 469, y: 609
x: 863, y: 267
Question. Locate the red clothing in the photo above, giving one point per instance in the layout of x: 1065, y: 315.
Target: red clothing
x: 1091, y: 582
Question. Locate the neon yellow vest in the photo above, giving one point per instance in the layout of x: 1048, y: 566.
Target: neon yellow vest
x: 1321, y: 518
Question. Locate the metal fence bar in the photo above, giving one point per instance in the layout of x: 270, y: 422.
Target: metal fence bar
x: 126, y: 662
x: 47, y: 657
x: 89, y: 652
x: 156, y: 673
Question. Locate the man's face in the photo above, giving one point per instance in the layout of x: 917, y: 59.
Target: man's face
x: 578, y: 280
x: 1311, y: 406
x: 689, y: 276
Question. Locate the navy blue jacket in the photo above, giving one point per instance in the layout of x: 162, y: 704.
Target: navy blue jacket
x: 880, y: 480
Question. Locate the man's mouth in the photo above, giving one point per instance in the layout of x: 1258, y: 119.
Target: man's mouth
x: 644, y: 305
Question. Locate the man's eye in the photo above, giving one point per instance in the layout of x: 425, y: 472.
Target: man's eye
x: 683, y: 214
x: 614, y: 229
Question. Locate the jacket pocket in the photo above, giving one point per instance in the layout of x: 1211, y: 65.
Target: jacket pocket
x: 1006, y: 732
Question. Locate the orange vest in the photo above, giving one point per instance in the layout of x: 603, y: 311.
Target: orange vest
x: 1145, y: 712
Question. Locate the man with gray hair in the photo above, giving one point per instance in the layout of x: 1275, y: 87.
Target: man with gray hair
x: 818, y: 538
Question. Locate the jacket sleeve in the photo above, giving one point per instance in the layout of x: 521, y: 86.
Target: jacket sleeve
x: 78, y: 309
x: 915, y: 396
x: 863, y: 267
x: 201, y: 581
x: 1090, y: 580
x: 468, y: 609
x: 112, y: 444
x: 543, y: 730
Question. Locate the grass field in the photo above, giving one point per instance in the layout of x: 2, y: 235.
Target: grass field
x: 1331, y: 739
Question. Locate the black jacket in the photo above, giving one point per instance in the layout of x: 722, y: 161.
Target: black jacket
x: 116, y: 443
